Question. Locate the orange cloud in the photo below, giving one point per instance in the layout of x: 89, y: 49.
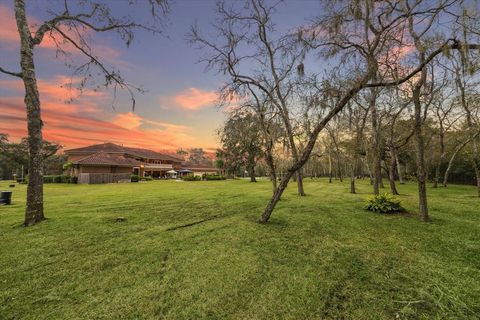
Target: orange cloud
x: 79, y: 128
x: 194, y: 99
x: 127, y: 120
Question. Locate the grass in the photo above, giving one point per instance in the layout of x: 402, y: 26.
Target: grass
x: 319, y: 257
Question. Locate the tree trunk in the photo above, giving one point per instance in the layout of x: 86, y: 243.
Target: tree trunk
x: 34, y: 208
x: 476, y: 165
x: 329, y: 167
x: 399, y: 169
x: 352, y: 178
x: 251, y: 168
x: 301, y: 192
x: 419, y: 145
x: 276, y: 197
x: 391, y: 174
x: 271, y: 165
x: 436, y: 179
x: 376, y: 152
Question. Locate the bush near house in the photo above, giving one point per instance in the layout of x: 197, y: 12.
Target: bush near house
x: 59, y: 179
x: 134, y: 178
x: 191, y: 177
x: 213, y: 177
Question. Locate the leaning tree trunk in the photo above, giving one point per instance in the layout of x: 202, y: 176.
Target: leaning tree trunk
x: 454, y: 155
x: 420, y: 148
x: 34, y: 208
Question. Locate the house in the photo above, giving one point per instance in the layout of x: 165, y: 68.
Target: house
x: 120, y: 162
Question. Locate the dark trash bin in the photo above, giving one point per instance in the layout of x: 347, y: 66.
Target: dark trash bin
x: 5, y: 197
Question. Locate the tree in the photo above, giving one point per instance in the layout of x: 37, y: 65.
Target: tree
x: 197, y: 156
x: 242, y: 141
x: 15, y: 155
x: 66, y: 28
x: 273, y: 62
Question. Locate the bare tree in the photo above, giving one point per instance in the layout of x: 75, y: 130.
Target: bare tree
x: 273, y: 62
x: 66, y: 28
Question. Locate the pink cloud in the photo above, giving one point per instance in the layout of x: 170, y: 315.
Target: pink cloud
x: 127, y: 120
x: 194, y: 99
x: 76, y: 127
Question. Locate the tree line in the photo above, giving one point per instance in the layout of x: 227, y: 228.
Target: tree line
x: 367, y: 86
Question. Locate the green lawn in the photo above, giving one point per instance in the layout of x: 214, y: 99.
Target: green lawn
x: 320, y: 257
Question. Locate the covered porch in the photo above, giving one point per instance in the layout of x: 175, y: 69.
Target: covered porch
x: 157, y: 170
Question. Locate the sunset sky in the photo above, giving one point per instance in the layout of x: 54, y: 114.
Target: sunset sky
x: 178, y: 109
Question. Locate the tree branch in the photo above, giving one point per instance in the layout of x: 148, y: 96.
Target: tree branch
x: 15, y: 74
x: 455, y: 46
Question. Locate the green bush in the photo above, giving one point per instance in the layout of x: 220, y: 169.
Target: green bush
x: 191, y: 177
x: 213, y: 177
x: 134, y: 178
x: 383, y: 203
x: 147, y: 178
x: 59, y: 179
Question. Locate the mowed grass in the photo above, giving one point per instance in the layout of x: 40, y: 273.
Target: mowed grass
x: 319, y: 257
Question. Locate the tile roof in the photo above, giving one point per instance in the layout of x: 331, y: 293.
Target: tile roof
x: 115, y: 148
x: 102, y: 158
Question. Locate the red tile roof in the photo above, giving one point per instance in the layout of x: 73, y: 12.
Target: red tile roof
x: 102, y: 158
x: 115, y: 148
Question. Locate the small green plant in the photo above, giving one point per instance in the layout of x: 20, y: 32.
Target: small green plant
x: 383, y: 203
x: 134, y: 178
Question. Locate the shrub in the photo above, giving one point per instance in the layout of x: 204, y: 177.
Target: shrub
x: 134, y: 178
x: 191, y: 177
x: 59, y: 179
x: 213, y: 177
x: 147, y: 178
x: 383, y: 203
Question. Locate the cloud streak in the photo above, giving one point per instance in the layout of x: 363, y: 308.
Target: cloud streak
x: 83, y: 122
x: 192, y: 99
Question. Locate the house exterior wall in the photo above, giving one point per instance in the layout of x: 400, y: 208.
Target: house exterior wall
x: 104, y: 169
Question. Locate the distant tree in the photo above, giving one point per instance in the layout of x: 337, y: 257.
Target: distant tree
x: 182, y: 153
x: 67, y: 28
x: 15, y: 155
x: 241, y: 138
x: 197, y: 156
